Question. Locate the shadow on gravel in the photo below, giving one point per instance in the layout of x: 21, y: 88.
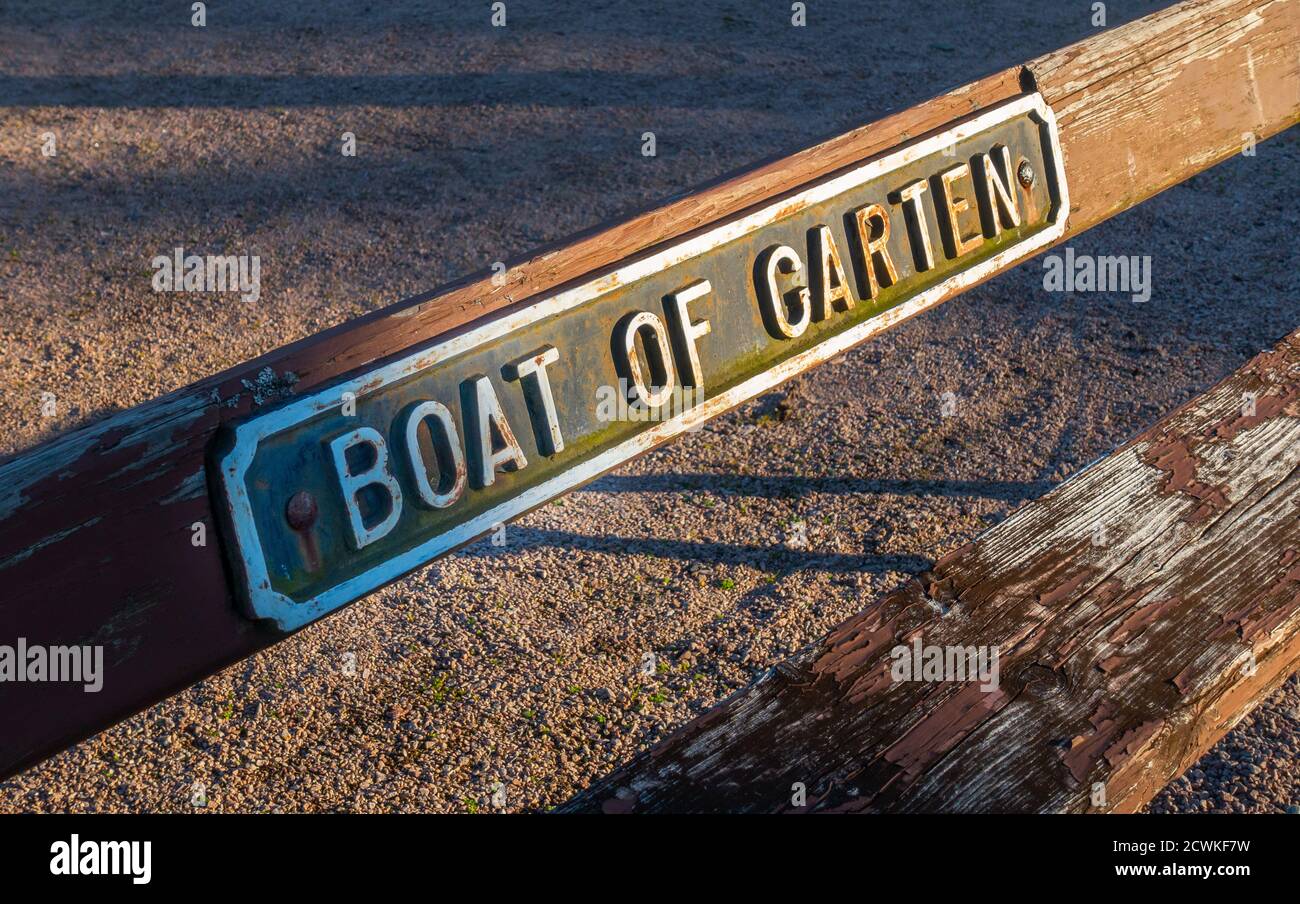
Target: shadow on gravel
x: 774, y: 557
x: 787, y: 487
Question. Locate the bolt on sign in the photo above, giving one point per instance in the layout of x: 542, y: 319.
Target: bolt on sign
x: 332, y: 495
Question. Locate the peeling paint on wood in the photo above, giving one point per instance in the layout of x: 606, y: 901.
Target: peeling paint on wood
x: 1141, y: 108
x: 1150, y: 645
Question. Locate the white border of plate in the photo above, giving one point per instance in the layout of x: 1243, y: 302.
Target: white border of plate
x: 263, y: 602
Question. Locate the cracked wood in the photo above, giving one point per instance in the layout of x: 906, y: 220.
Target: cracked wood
x: 95, y: 525
x: 1140, y: 610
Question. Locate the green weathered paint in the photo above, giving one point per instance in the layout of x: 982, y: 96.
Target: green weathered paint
x: 300, y: 567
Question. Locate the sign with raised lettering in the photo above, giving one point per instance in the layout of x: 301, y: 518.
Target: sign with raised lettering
x: 331, y: 495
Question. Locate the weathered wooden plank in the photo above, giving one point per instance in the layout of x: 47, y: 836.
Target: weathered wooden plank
x: 1139, y: 610
x: 96, y: 526
x: 1141, y: 108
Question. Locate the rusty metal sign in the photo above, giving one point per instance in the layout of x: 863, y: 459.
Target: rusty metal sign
x: 329, y: 496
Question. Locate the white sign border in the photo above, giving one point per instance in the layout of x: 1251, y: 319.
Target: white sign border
x: 289, y: 615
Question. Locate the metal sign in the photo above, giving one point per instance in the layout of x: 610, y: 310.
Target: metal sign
x: 329, y: 496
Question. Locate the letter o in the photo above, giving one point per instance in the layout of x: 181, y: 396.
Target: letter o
x: 446, y: 448
x: 658, y: 355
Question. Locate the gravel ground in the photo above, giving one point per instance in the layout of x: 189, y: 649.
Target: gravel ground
x: 518, y: 665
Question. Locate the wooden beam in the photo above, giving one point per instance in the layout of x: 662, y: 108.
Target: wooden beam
x: 1139, y: 610
x: 1143, y: 107
x: 96, y: 525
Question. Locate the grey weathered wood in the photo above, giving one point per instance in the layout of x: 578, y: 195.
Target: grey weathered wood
x: 1140, y: 610
x: 96, y: 525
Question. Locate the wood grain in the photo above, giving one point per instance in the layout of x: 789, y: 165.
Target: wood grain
x: 1140, y: 609
x: 96, y: 525
x: 1142, y: 108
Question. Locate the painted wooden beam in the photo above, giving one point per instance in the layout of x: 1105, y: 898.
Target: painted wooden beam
x: 1138, y: 611
x: 96, y: 525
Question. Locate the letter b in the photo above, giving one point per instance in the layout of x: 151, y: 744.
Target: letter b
x: 375, y: 473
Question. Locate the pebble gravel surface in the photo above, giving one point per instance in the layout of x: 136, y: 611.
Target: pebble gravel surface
x: 507, y: 677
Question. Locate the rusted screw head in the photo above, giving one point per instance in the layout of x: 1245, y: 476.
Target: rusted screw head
x: 301, y: 511
x: 1025, y: 173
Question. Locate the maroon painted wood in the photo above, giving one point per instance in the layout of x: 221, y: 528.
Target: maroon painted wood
x: 96, y: 525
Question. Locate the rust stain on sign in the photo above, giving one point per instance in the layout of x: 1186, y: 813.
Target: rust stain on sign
x: 1141, y: 108
x: 432, y: 449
